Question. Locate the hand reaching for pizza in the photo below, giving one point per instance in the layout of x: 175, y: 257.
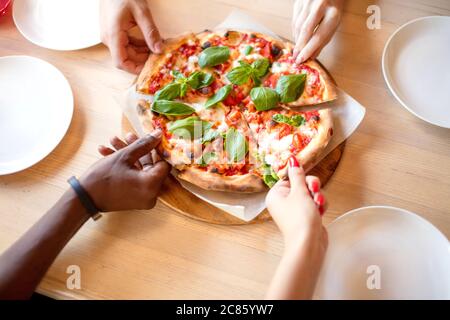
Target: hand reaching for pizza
x: 118, y: 19
x: 296, y: 206
x: 129, y: 177
x: 313, y: 24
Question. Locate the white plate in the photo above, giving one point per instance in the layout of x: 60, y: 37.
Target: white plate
x: 36, y: 107
x: 416, y: 67
x: 58, y: 24
x: 407, y: 254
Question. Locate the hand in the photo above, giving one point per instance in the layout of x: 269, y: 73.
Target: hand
x: 117, y: 18
x: 296, y: 206
x: 313, y: 24
x: 128, y: 178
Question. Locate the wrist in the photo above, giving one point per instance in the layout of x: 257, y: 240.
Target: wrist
x: 70, y: 200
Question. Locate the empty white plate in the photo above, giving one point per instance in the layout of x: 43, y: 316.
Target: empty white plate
x: 58, y: 24
x: 416, y: 67
x: 36, y: 107
x: 384, y: 253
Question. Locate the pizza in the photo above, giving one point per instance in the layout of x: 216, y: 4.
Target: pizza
x: 226, y: 102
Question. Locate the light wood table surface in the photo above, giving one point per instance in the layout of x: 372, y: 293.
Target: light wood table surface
x: 392, y: 159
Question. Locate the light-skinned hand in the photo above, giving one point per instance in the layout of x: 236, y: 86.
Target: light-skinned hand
x: 296, y: 206
x: 117, y: 19
x: 314, y: 23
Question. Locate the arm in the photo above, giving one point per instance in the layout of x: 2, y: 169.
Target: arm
x: 314, y: 23
x: 129, y: 46
x: 296, y: 206
x: 131, y: 185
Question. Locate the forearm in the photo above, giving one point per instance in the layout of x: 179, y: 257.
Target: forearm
x: 24, y: 264
x: 297, y: 273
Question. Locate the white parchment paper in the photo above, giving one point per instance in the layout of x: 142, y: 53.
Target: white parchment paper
x: 347, y: 115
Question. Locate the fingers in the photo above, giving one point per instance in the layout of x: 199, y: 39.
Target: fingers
x: 141, y: 147
x: 321, y: 36
x: 105, y: 151
x: 305, y: 29
x: 119, y: 52
x: 313, y: 183
x: 117, y: 143
x: 296, y: 176
x: 145, y: 21
x: 130, y: 138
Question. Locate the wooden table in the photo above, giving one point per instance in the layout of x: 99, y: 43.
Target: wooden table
x: 392, y: 159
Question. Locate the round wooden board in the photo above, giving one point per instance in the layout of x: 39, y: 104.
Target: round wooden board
x: 182, y: 201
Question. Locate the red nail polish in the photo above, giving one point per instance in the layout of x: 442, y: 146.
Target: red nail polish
x: 321, y: 211
x: 293, y: 162
x: 319, y: 199
x: 315, y: 186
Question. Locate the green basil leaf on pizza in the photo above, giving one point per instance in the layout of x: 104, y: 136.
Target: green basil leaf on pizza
x: 213, y: 56
x: 240, y: 74
x: 219, y: 96
x: 295, y: 121
x: 171, y: 108
x: 264, y: 98
x: 290, y: 87
x: 192, y: 127
x: 199, y: 79
x: 235, y: 145
x: 169, y: 92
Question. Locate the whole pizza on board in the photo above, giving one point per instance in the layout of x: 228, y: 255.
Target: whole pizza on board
x: 224, y: 99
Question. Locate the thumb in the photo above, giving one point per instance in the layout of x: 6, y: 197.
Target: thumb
x: 141, y: 147
x: 296, y: 176
x: 148, y: 27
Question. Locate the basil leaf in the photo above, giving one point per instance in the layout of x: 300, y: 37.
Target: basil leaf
x: 260, y: 67
x: 264, y: 98
x: 183, y: 89
x: 213, y: 56
x: 269, y: 176
x: 290, y: 87
x: 220, y: 95
x: 199, y: 79
x: 248, y: 49
x: 235, y: 145
x: 210, y: 135
x: 169, y: 92
x: 177, y: 74
x: 239, y: 75
x: 190, y: 128
x: 270, y: 180
x: 171, y: 108
x: 295, y: 121
x: 207, y: 157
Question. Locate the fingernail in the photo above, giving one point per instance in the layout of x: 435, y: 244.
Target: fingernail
x: 293, y: 162
x: 157, y: 133
x: 321, y: 210
x: 315, y: 186
x: 299, y: 59
x: 319, y: 199
x: 158, y: 47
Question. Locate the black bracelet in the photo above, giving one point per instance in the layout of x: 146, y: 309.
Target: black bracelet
x: 84, y: 198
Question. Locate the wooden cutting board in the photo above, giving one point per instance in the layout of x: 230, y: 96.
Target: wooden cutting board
x: 185, y: 203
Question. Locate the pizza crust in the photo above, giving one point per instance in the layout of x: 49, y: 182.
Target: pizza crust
x: 246, y: 183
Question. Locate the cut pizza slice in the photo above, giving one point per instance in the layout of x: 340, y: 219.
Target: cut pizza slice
x: 282, y: 133
x: 300, y: 84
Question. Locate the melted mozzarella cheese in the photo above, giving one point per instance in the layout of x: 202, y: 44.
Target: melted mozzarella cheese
x: 192, y: 60
x: 278, y: 67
